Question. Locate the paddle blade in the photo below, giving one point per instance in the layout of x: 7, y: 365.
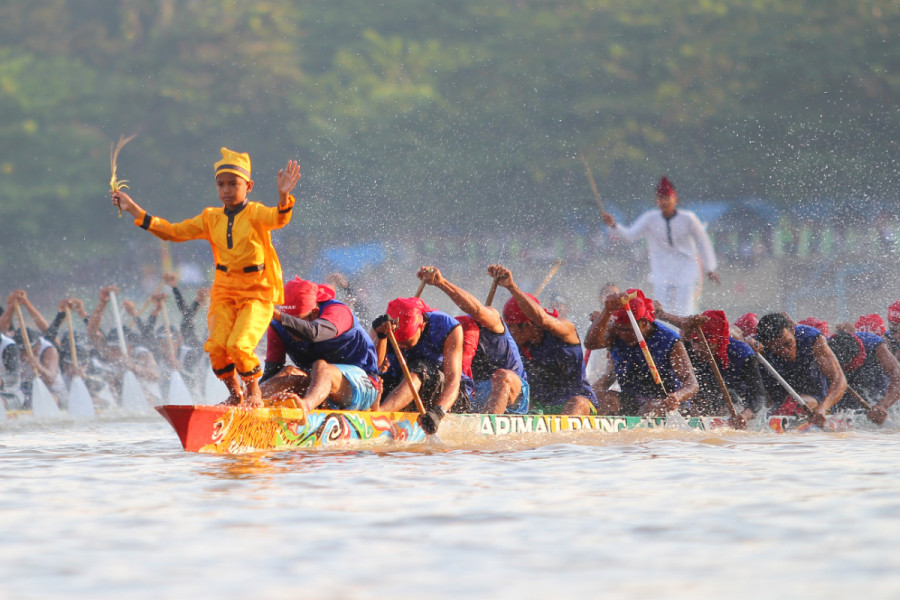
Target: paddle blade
x: 178, y: 390
x: 81, y: 405
x: 43, y: 404
x: 133, y: 398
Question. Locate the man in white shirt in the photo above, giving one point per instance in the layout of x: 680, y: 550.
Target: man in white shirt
x: 678, y: 246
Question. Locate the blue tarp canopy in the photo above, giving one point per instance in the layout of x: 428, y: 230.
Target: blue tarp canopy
x: 349, y: 260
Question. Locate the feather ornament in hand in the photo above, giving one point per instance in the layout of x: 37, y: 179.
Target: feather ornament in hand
x: 115, y: 183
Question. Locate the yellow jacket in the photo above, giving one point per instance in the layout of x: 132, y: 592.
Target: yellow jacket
x: 246, y: 263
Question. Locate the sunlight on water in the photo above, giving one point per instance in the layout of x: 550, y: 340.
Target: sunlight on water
x: 116, y: 509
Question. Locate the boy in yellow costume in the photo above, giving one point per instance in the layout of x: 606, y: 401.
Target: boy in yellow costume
x: 248, y: 283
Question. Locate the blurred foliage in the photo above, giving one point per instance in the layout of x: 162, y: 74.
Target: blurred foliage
x: 417, y: 118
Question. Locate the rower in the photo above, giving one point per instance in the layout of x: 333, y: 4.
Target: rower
x: 490, y: 354
x: 432, y: 345
x: 735, y: 360
x: 641, y: 394
x: 892, y: 336
x: 746, y: 323
x: 801, y: 355
x: 817, y: 323
x: 323, y: 338
x: 551, y: 352
x: 871, y: 371
x: 599, y: 368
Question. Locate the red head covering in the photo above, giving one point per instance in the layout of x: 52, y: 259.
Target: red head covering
x: 301, y: 296
x: 894, y: 312
x: 513, y: 315
x: 665, y: 188
x: 870, y: 324
x: 410, y: 314
x: 641, y: 307
x: 747, y: 324
x: 715, y: 330
x: 817, y: 323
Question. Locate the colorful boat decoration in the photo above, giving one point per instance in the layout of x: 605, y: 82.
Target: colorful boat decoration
x: 223, y: 429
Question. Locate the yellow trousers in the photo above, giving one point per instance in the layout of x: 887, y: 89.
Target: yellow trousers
x: 236, y: 325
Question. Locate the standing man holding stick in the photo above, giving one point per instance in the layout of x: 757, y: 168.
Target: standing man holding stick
x: 678, y: 245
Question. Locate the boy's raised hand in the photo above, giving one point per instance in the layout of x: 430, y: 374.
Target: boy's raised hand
x: 122, y: 200
x: 287, y: 178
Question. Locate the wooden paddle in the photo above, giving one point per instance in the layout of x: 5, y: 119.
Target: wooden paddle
x: 43, y: 402
x: 784, y: 384
x: 493, y: 290
x: 859, y: 398
x: 169, y: 341
x: 406, y: 374
x: 550, y: 274
x: 718, y: 374
x: 81, y: 404
x: 590, y: 177
x: 72, y: 339
x: 28, y: 350
x: 625, y: 299
x: 150, y: 299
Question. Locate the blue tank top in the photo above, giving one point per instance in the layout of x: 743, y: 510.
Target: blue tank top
x: 496, y: 351
x: 803, y: 373
x: 869, y: 380
x: 353, y: 347
x: 556, y: 371
x: 632, y: 371
x: 430, y: 347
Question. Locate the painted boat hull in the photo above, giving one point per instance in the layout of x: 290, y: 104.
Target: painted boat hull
x: 234, y: 430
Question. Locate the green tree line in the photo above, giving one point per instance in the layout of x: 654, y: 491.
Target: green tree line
x: 414, y: 117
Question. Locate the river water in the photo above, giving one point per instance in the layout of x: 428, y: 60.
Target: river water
x: 116, y: 509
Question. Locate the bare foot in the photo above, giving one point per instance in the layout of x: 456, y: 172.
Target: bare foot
x: 284, y: 398
x: 253, y: 397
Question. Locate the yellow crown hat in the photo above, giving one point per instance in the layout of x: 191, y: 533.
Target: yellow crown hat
x: 234, y: 162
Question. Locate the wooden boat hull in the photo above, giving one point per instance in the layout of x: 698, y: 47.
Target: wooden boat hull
x: 233, y: 430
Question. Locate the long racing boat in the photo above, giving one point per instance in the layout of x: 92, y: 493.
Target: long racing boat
x: 224, y: 429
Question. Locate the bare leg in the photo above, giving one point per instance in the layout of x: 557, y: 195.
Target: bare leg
x: 253, y: 398
x: 577, y: 405
x: 326, y: 381
x: 290, y: 379
x: 235, y: 390
x: 400, y: 397
x: 505, y: 388
x: 608, y: 403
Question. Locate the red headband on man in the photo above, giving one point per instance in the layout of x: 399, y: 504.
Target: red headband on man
x: 665, y: 188
x: 301, y: 296
x: 817, y: 323
x: 641, y: 308
x: 894, y: 312
x: 747, y: 324
x: 870, y: 324
x: 715, y: 330
x: 514, y: 315
x: 410, y: 315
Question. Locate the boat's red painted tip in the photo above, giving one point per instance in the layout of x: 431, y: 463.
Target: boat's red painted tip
x: 192, y: 423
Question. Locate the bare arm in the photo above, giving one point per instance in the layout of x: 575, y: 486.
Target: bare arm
x: 828, y: 364
x: 93, y: 326
x: 562, y: 329
x: 486, y: 316
x: 892, y: 367
x: 597, y: 336
x: 36, y: 315
x: 681, y: 363
x: 452, y: 368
